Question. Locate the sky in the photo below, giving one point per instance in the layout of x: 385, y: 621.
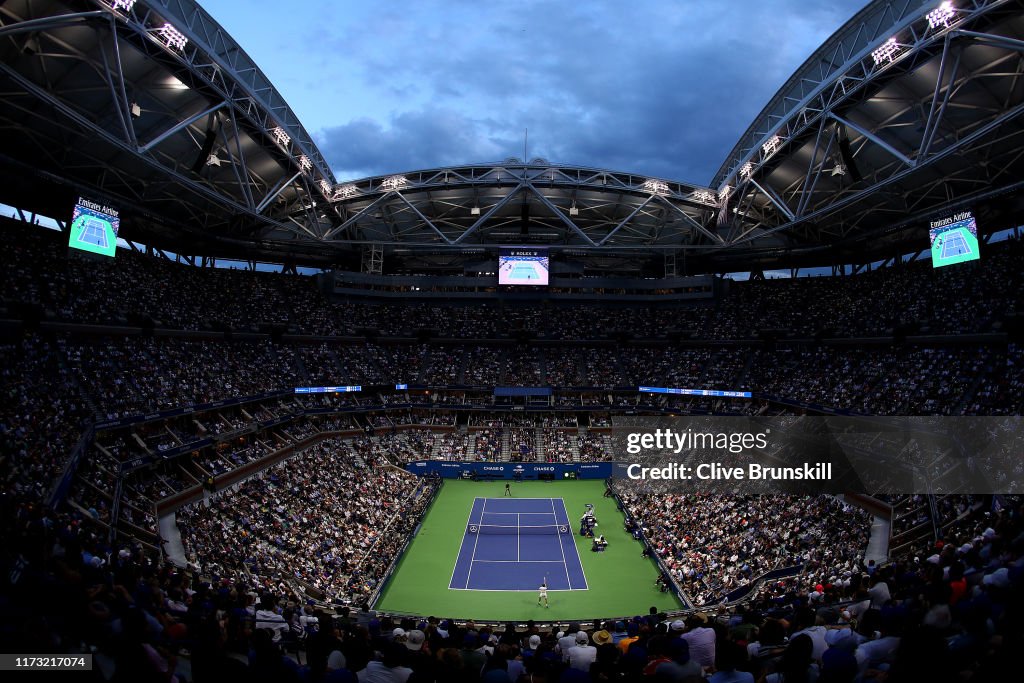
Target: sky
x: 662, y: 88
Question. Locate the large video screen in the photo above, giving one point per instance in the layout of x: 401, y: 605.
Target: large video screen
x: 94, y: 228
x: 954, y: 240
x: 522, y: 266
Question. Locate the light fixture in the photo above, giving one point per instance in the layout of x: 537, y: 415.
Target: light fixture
x: 282, y: 137
x: 135, y: 109
x: 573, y: 211
x: 304, y: 163
x: 655, y: 187
x: 724, y: 193
x: 325, y: 186
x: 839, y: 170
x: 213, y: 160
x: 746, y: 169
x: 475, y: 211
x: 704, y: 197
x: 125, y: 5
x: 393, y: 182
x: 345, y: 191
x: 770, y: 145
x: 886, y: 51
x: 941, y: 15
x: 172, y: 37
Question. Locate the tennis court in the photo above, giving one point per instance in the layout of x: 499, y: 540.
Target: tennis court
x: 954, y: 244
x: 524, y: 271
x: 515, y: 544
x: 618, y: 581
x: 93, y: 232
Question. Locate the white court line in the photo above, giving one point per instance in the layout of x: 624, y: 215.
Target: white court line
x: 472, y: 558
x: 512, y: 590
x: 520, y: 561
x: 561, y: 547
x: 469, y: 518
x: 517, y: 537
x: 586, y: 584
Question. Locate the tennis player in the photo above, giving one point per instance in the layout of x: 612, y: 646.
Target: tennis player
x: 543, y: 596
x: 508, y: 490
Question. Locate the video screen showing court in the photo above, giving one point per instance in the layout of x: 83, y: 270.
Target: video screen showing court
x: 522, y: 266
x: 954, y: 240
x: 94, y: 228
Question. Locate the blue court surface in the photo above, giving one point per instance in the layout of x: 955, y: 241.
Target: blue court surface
x: 515, y: 544
x: 954, y: 245
x: 93, y: 232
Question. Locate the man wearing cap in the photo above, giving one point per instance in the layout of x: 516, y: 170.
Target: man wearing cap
x: 418, y: 658
x: 632, y: 635
x: 619, y: 633
x: 583, y: 654
x: 532, y: 643
x: 567, y: 640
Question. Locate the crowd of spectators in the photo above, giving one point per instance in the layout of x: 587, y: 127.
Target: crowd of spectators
x: 594, y: 446
x: 268, y: 542
x: 313, y: 519
x: 912, y: 297
x: 488, y: 443
x: 948, y: 615
x: 715, y: 544
x: 41, y: 417
x: 522, y: 444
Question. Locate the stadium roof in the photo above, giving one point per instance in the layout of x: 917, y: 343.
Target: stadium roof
x: 910, y: 110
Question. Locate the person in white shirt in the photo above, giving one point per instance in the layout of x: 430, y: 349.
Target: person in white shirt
x: 701, y: 640
x: 583, y: 654
x: 567, y: 640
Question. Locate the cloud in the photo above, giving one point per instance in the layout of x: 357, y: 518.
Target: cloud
x: 660, y: 89
x: 411, y: 140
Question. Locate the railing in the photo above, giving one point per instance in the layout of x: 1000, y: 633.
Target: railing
x: 680, y: 593
x: 63, y: 484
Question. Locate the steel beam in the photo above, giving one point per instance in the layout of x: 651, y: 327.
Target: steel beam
x: 873, y: 138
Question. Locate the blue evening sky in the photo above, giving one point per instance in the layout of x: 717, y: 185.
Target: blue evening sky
x: 655, y: 87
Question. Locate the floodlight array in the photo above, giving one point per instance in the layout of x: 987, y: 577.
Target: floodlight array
x: 125, y: 5
x: 304, y: 163
x: 746, y: 169
x: 325, y: 187
x: 172, y: 37
x: 345, y: 191
x: 656, y: 187
x: 394, y: 182
x: 281, y: 136
x: 886, y: 51
x: 704, y: 197
x: 770, y: 145
x: 941, y: 15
